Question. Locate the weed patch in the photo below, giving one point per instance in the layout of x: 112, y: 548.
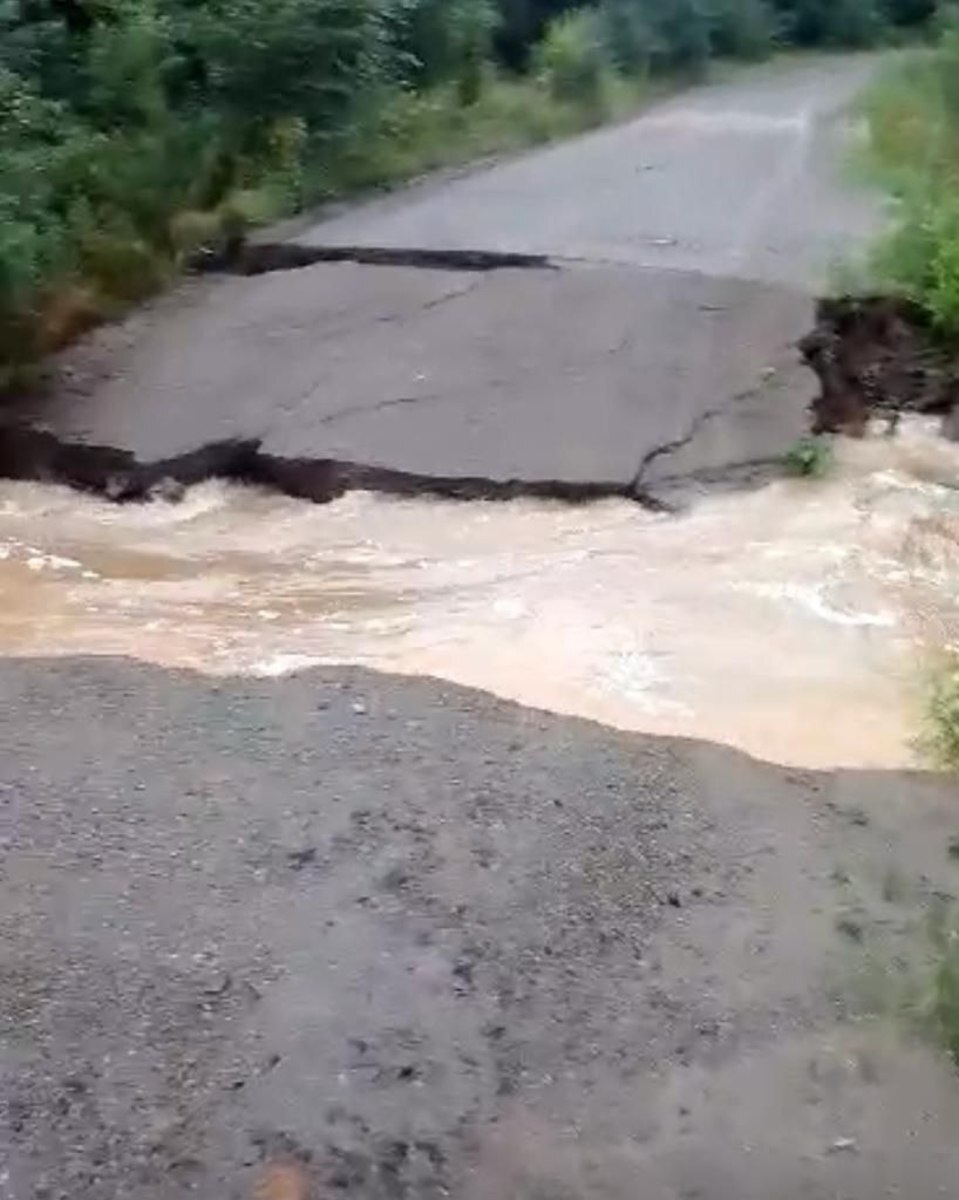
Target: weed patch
x: 809, y: 458
x: 940, y: 738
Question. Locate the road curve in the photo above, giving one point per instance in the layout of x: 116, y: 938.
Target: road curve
x: 740, y: 179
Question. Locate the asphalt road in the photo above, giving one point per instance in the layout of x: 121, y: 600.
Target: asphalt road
x: 741, y: 179
x: 688, y: 246
x: 351, y: 935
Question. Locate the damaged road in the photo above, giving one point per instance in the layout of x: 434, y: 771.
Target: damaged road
x: 549, y: 382
x: 354, y: 935
x: 340, y: 933
x: 476, y: 338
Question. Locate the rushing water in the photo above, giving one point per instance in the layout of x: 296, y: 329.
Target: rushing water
x: 791, y: 621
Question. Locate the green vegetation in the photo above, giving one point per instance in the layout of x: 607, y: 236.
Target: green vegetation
x: 133, y: 132
x: 945, y: 997
x: 917, y: 983
x: 940, y: 742
x: 913, y: 118
x: 809, y: 458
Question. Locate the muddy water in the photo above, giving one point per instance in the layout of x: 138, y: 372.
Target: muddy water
x: 791, y: 621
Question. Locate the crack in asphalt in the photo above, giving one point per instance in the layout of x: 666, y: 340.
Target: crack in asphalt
x: 262, y: 258
x: 680, y: 443
x: 397, y: 318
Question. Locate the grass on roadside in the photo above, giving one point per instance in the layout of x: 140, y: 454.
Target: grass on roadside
x: 414, y: 133
x: 939, y: 741
x: 912, y: 115
x: 914, y: 986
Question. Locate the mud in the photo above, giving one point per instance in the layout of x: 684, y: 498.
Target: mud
x: 877, y: 355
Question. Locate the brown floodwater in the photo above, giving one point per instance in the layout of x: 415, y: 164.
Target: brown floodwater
x: 793, y: 621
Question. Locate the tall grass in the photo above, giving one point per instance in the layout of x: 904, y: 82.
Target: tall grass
x: 913, y: 118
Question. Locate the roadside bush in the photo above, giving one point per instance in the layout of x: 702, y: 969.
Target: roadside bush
x: 741, y: 28
x: 913, y: 118
x: 571, y: 60
x: 628, y: 36
x: 682, y: 32
x: 438, y: 41
x: 921, y: 257
x: 941, y: 740
x: 854, y: 23
x: 830, y: 22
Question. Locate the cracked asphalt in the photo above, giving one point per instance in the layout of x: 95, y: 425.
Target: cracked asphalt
x: 663, y: 349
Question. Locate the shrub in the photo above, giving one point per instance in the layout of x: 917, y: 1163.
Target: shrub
x: 914, y: 145
x: 439, y: 41
x: 829, y: 22
x: 571, y: 60
x: 809, y: 458
x: 628, y: 36
x: 941, y: 737
x: 741, y: 28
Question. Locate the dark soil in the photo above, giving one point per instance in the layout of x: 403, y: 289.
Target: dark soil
x: 877, y: 355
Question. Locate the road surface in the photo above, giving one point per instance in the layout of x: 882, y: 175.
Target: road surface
x: 740, y: 180
x: 687, y: 247
x: 410, y: 942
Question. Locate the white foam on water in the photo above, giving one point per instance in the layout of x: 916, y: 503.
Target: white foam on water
x: 790, y: 621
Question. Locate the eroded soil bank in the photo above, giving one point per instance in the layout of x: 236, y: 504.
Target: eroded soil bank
x: 879, y: 355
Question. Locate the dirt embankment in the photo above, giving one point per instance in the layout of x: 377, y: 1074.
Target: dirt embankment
x: 879, y: 355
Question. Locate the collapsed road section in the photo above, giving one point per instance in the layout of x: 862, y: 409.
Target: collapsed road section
x: 573, y: 382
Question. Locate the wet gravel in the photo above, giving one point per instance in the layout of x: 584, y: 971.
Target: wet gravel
x: 366, y: 924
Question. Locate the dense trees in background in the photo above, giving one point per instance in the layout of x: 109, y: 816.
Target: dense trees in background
x: 132, y: 131
x: 684, y: 28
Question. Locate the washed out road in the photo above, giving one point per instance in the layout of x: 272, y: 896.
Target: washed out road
x: 345, y: 934
x: 686, y: 250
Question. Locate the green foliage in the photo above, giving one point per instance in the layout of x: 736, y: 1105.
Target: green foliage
x: 682, y: 33
x: 809, y: 458
x: 941, y: 739
x: 945, y: 1002
x: 442, y: 40
x: 913, y: 118
x: 628, y: 35
x: 831, y: 22
x: 741, y: 28
x: 921, y: 257
x: 571, y: 60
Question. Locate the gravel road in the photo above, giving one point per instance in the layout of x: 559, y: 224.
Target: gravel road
x: 348, y: 934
